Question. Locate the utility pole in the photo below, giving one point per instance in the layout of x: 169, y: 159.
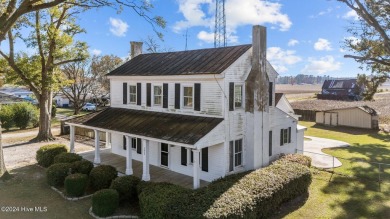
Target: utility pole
x: 220, y: 24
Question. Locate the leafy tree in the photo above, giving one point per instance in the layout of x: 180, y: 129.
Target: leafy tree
x: 370, y: 41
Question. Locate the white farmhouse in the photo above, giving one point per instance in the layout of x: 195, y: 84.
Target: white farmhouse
x: 203, y: 113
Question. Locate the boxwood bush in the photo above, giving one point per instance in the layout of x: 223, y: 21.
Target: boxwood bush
x: 102, y: 176
x: 126, y: 186
x: 295, y: 158
x: 254, y: 194
x: 45, y: 154
x: 75, y: 184
x: 105, y: 202
x: 67, y: 158
x: 82, y: 166
x: 57, y: 173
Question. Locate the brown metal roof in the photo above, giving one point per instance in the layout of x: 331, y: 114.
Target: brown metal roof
x: 166, y: 126
x: 202, y: 61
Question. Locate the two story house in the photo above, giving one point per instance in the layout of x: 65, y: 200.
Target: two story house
x: 203, y: 113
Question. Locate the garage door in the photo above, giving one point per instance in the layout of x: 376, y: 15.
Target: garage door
x: 333, y: 119
x: 327, y: 118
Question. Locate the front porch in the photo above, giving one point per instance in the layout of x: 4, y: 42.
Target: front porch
x: 157, y: 174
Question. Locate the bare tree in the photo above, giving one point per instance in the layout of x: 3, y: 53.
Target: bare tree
x: 152, y: 46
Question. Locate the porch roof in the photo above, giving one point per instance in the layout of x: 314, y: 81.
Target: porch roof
x: 184, y: 129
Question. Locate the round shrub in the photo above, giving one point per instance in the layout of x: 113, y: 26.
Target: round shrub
x: 105, y: 202
x: 102, y: 176
x: 7, y: 116
x: 75, y: 184
x: 126, y: 186
x: 67, y: 158
x: 57, y: 173
x: 24, y: 114
x: 45, y: 155
x: 83, y: 166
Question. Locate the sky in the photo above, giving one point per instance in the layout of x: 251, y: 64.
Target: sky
x: 303, y: 36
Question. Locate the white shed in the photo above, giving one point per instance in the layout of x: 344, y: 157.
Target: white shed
x: 358, y: 117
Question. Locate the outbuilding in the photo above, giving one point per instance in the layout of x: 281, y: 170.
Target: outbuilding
x: 358, y: 117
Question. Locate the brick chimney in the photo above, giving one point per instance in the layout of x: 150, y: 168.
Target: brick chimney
x: 135, y: 49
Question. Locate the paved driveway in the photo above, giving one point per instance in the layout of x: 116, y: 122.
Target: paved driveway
x: 320, y: 159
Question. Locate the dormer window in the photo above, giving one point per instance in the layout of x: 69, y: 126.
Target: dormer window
x: 133, y: 94
x: 188, y: 96
x: 158, y: 95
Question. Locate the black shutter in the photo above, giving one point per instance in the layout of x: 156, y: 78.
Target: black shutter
x: 139, y: 93
x: 231, y: 154
x: 231, y: 96
x: 270, y: 143
x: 148, y: 94
x: 124, y: 143
x: 289, y: 134
x: 177, y: 96
x: 124, y: 93
x: 165, y: 95
x: 270, y: 91
x: 139, y: 146
x: 197, y: 97
x: 183, y: 156
x: 281, y: 137
x: 205, y: 159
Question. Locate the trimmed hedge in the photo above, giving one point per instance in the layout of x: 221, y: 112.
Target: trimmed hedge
x: 45, y: 154
x: 57, y: 173
x: 105, y: 202
x: 82, y: 166
x: 126, y: 186
x: 67, y: 158
x: 253, y: 194
x: 295, y: 158
x: 75, y: 184
x: 102, y: 176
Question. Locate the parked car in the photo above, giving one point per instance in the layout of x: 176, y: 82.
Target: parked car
x: 89, y: 107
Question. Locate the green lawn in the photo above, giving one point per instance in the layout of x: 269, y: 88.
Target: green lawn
x: 336, y: 196
x: 69, y: 112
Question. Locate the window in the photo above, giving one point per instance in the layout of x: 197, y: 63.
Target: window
x: 235, y: 154
x: 237, y: 96
x: 158, y: 95
x: 270, y: 93
x: 164, y: 154
x: 188, y: 97
x: 133, y: 94
x: 136, y: 145
x: 285, y: 136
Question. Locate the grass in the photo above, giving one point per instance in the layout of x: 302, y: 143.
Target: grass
x: 69, y: 112
x: 338, y: 196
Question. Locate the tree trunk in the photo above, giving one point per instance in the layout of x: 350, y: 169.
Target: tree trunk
x: 44, y: 133
x: 3, y: 170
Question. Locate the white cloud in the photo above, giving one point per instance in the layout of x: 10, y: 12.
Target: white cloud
x: 239, y: 13
x: 293, y: 42
x: 320, y: 66
x: 206, y: 37
x: 279, y: 58
x: 96, y: 52
x: 353, y: 40
x: 118, y: 27
x: 351, y: 15
x: 322, y: 44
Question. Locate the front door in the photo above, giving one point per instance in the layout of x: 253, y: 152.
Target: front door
x: 164, y: 154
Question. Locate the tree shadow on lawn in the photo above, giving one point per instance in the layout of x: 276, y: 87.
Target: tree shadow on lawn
x: 378, y: 153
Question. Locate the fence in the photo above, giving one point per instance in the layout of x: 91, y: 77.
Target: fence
x: 360, y: 169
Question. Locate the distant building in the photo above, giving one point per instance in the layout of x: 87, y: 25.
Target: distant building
x: 342, y: 89
x: 9, y: 99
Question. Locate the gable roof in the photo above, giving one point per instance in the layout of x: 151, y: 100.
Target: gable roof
x: 202, y: 61
x: 339, y: 84
x: 365, y: 108
x: 278, y: 96
x: 166, y: 126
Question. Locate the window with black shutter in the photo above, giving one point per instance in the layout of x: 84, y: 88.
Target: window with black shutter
x: 197, y: 97
x: 139, y: 146
x: 165, y: 95
x: 124, y: 93
x: 177, y: 96
x: 205, y: 159
x: 139, y: 93
x: 231, y: 156
x: 281, y: 137
x: 124, y: 143
x: 183, y: 156
x: 134, y: 143
x: 231, y: 96
x: 148, y: 94
x: 289, y: 134
x: 270, y: 91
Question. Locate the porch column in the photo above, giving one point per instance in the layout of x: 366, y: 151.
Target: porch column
x: 129, y: 161
x: 71, y: 146
x: 97, y: 148
x: 145, y: 160
x: 108, y: 139
x: 196, y: 167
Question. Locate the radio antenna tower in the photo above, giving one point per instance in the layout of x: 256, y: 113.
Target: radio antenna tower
x: 220, y: 24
